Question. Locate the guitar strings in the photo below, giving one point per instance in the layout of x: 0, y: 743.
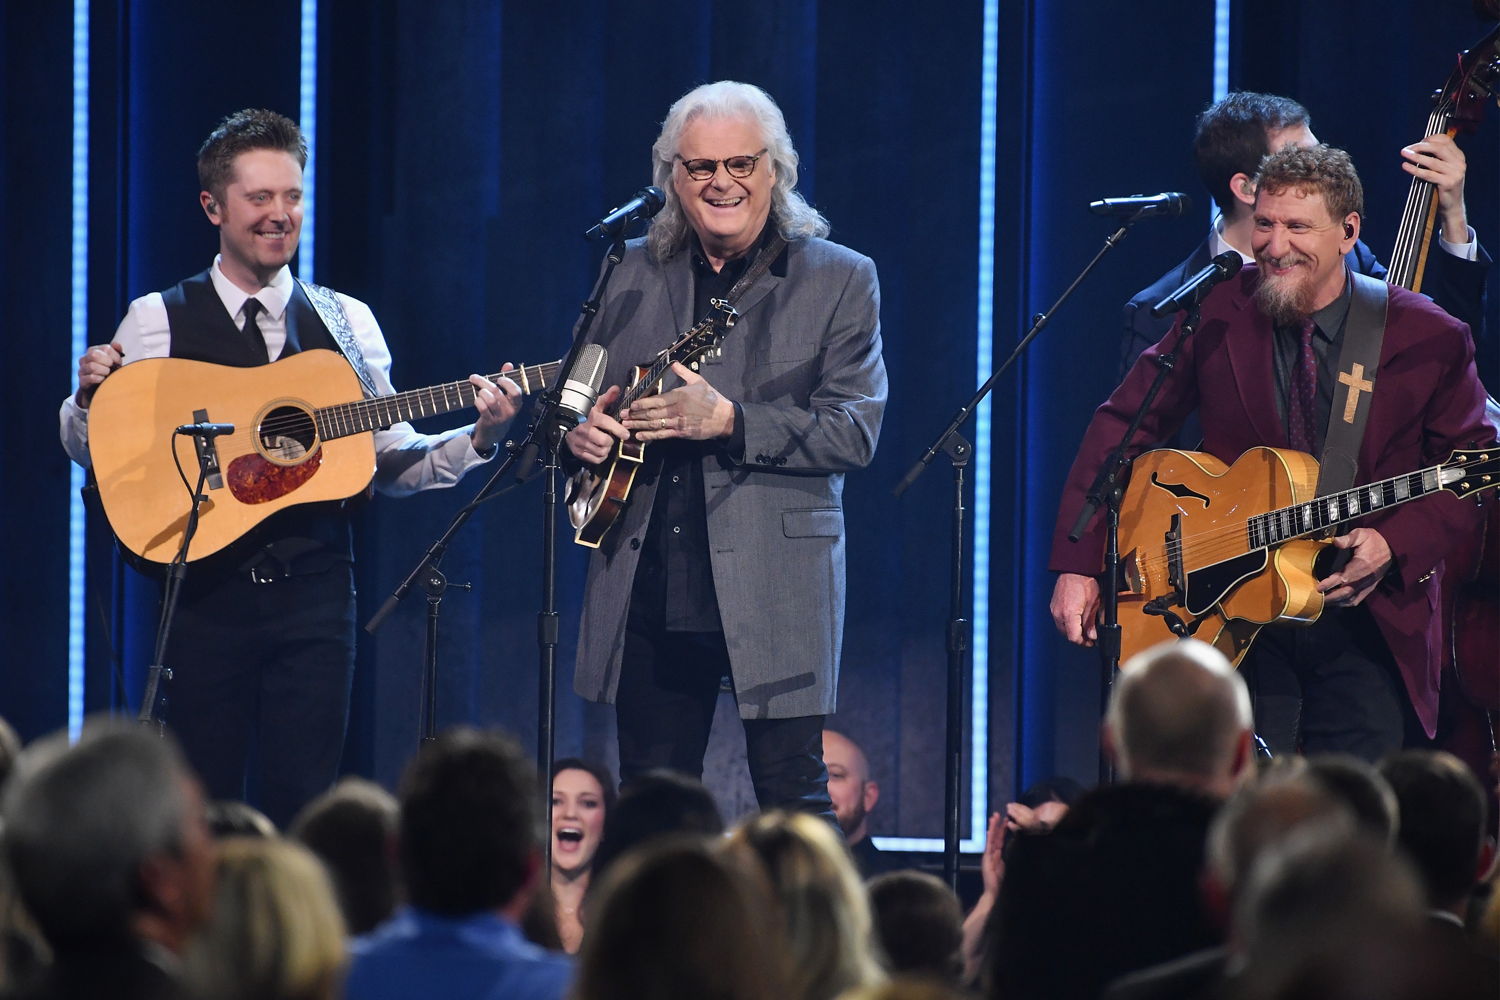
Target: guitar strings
x: 359, y: 411
x: 1229, y: 539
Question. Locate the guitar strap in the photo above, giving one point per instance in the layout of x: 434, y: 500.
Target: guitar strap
x: 1359, y: 359
x: 330, y: 310
x: 757, y: 268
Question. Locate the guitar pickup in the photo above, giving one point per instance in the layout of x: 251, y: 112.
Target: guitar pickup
x: 208, y: 454
x: 1176, y: 575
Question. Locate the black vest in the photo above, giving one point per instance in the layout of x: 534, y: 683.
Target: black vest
x: 201, y: 330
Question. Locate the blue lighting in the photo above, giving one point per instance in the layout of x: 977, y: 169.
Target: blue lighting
x: 308, y: 119
x: 983, y: 364
x: 1221, y: 66
x: 79, y: 307
x: 1221, y: 49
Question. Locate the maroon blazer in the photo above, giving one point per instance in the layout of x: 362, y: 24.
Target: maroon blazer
x: 1427, y: 401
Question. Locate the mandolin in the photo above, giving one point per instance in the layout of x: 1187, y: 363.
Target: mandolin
x: 598, y: 495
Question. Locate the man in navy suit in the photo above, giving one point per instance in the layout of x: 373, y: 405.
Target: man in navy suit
x: 1233, y: 136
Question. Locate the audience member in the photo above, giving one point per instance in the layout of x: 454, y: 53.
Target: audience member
x: 469, y: 854
x: 582, y: 795
x: 275, y: 932
x: 905, y: 988
x: 854, y: 794
x: 1258, y: 817
x: 1443, y: 824
x: 828, y: 936
x: 1114, y: 887
x: 1336, y: 917
x: 1355, y: 782
x: 1038, y: 809
x: 919, y: 923
x: 110, y: 854
x: 352, y: 829
x: 676, y: 919
x: 10, y: 749
x: 656, y: 804
x: 227, y: 818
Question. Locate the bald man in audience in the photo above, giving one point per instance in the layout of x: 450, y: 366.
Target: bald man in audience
x: 1180, y: 715
x: 854, y: 795
x: 1114, y: 886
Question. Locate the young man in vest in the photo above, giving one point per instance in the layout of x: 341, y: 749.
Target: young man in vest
x: 262, y: 644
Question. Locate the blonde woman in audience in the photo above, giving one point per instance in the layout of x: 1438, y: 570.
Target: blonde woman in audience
x: 679, y: 918
x: 828, y: 934
x: 276, y: 932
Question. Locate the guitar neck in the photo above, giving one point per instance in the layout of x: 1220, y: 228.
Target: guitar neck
x: 1275, y: 527
x: 378, y: 412
x: 1418, y: 219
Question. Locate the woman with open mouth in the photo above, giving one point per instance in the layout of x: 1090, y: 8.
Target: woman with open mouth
x: 582, y: 794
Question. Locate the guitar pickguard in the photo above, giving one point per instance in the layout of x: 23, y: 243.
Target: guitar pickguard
x: 1209, y: 585
x: 253, y: 480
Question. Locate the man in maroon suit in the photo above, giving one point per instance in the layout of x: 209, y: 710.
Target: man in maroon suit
x: 1259, y: 380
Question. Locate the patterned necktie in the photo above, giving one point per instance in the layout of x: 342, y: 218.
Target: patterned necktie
x: 253, y: 338
x: 1302, y: 401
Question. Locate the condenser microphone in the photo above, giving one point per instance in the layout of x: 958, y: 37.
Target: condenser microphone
x: 579, y: 390
x: 646, y: 203
x: 1142, y: 206
x: 1221, y: 268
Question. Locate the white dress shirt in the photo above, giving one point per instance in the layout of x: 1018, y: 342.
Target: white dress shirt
x: 405, y: 460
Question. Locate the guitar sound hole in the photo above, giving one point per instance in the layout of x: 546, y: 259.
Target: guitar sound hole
x: 287, y: 434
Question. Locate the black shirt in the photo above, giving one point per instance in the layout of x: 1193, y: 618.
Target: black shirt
x: 674, y: 581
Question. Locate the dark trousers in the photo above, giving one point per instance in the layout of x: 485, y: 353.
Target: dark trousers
x: 669, y: 685
x: 261, y: 678
x: 1330, y: 687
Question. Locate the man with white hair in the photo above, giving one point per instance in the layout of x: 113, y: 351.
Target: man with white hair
x: 108, y: 849
x: 1180, y: 715
x: 1114, y: 886
x: 728, y: 559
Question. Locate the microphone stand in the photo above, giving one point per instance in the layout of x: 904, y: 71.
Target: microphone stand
x: 1108, y: 491
x: 172, y: 592
x: 427, y: 574
x: 546, y: 427
x: 959, y: 631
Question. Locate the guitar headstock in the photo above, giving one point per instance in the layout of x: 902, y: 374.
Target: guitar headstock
x: 1471, y: 470
x: 1473, y: 81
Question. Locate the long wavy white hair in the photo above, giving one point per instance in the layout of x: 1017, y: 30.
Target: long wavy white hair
x: 793, y: 216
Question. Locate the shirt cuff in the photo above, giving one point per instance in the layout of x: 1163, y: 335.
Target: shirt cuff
x: 734, y: 446
x: 1463, y: 251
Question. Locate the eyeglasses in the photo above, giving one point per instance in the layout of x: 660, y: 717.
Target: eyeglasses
x: 737, y: 166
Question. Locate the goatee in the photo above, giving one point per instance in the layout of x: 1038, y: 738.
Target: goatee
x: 1284, y: 300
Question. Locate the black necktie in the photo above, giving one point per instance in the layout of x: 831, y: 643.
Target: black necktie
x: 251, y: 330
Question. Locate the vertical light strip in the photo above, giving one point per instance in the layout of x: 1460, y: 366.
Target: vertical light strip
x: 984, y: 363
x: 79, y: 308
x: 1221, y: 49
x: 979, y: 706
x: 307, y: 117
x: 1221, y: 68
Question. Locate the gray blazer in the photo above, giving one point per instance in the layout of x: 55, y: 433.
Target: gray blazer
x: 804, y: 363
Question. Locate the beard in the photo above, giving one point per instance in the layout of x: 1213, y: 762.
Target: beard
x: 1284, y: 299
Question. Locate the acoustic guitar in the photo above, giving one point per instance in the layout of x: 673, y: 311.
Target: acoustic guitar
x: 302, y: 434
x: 597, y: 495
x: 1222, y: 551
